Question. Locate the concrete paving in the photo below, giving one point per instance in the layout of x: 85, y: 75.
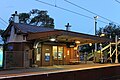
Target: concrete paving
x: 50, y: 69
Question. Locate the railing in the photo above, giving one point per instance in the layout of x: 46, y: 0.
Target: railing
x: 90, y: 55
x: 105, y: 47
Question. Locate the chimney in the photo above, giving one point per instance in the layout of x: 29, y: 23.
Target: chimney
x: 68, y: 27
x: 15, y: 17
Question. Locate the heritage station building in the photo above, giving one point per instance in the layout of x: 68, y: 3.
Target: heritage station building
x: 28, y: 45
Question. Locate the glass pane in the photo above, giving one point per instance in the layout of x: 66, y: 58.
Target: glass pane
x: 60, y: 53
x: 55, y: 52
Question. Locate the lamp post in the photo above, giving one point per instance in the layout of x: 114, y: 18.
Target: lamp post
x: 95, y: 18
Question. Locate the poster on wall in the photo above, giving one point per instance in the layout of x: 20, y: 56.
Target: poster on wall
x: 47, y: 57
x: 1, y: 56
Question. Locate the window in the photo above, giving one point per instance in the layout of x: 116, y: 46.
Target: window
x: 60, y: 53
x: 57, y: 52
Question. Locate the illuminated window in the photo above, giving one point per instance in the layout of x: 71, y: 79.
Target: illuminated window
x: 60, y: 53
x: 57, y: 52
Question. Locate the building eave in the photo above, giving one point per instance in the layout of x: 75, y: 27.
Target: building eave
x: 63, y: 35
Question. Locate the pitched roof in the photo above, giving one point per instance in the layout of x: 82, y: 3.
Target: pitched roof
x: 25, y: 28
x: 36, y: 32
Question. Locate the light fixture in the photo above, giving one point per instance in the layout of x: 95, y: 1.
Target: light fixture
x: 75, y: 48
x: 90, y: 44
x: 96, y: 17
x: 77, y: 42
x: 52, y: 39
x: 102, y: 35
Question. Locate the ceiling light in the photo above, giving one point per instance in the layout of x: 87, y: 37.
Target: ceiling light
x: 52, y: 39
x: 77, y: 42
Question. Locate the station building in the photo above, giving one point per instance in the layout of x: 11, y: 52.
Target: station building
x: 28, y: 45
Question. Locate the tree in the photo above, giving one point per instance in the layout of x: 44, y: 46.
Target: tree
x: 24, y: 17
x: 37, y: 17
x: 110, y: 31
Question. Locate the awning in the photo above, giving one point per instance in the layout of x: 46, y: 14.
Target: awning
x: 69, y: 36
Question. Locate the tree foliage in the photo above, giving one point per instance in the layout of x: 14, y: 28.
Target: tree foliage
x: 110, y: 31
x: 24, y: 17
x: 37, y: 17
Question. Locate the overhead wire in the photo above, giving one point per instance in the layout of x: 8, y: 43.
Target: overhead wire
x: 2, y: 20
x: 3, y: 23
x: 70, y: 11
x: 90, y: 11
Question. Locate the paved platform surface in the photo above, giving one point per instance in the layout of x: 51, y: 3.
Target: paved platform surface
x: 50, y: 69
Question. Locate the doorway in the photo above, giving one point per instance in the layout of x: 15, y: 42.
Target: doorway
x: 58, y: 55
x: 37, y: 55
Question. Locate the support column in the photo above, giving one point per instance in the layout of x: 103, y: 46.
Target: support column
x: 110, y: 52
x: 116, y: 57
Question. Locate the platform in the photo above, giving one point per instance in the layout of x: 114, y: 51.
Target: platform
x: 56, y: 69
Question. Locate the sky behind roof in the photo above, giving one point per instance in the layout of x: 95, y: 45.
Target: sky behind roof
x: 105, y: 8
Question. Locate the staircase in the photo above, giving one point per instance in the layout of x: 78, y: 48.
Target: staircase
x: 91, y: 55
